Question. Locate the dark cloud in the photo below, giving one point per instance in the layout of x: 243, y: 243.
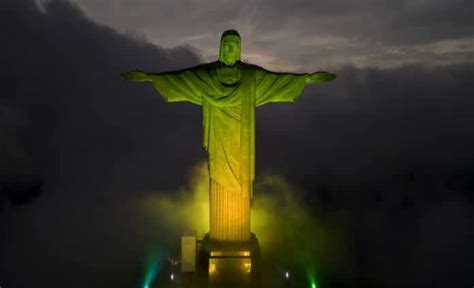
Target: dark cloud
x: 395, y: 22
x: 383, y: 154
x: 387, y: 153
x: 304, y: 34
x: 400, y: 118
x: 70, y: 122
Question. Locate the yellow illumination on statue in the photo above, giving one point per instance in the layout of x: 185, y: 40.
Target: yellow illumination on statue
x: 228, y: 91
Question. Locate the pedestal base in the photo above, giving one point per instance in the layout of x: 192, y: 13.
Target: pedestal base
x: 230, y: 264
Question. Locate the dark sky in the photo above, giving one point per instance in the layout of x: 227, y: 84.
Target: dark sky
x: 389, y: 144
x: 303, y: 34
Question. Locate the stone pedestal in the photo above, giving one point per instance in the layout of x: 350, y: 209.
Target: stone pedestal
x: 230, y: 264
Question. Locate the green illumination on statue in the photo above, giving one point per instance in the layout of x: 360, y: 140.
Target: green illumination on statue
x: 228, y: 91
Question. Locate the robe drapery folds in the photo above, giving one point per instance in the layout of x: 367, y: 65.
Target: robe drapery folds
x: 229, y: 114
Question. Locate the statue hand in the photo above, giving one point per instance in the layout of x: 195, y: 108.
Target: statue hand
x: 320, y: 77
x: 135, y: 76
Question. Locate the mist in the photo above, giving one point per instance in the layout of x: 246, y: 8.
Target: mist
x: 367, y: 181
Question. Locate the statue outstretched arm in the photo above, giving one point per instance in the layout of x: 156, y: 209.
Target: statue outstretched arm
x: 285, y: 87
x: 320, y: 77
x: 135, y: 76
x: 278, y: 86
x: 184, y: 85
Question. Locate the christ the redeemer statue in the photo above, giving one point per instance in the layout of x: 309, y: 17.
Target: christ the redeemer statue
x: 228, y: 91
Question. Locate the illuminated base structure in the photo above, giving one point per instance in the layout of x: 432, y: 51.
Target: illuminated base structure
x: 230, y: 264
x: 208, y: 263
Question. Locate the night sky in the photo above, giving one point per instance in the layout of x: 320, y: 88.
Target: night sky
x: 386, y: 150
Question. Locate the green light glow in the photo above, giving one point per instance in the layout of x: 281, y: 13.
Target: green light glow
x: 312, y: 280
x: 151, y: 269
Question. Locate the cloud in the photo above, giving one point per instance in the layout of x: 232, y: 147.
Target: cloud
x: 302, y: 35
x: 92, y: 139
x: 405, y: 117
x: 384, y: 155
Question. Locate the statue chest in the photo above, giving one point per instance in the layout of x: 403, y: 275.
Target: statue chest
x: 229, y: 76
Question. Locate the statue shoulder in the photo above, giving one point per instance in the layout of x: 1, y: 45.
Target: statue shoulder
x: 248, y: 66
x: 208, y: 66
x: 253, y: 69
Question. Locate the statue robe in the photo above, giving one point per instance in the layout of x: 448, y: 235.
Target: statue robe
x: 229, y: 132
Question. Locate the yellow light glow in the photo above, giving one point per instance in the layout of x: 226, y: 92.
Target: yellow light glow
x: 248, y: 267
x: 186, y: 209
x: 230, y: 253
x: 212, y: 268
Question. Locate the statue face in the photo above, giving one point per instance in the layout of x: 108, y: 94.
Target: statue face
x: 230, y: 50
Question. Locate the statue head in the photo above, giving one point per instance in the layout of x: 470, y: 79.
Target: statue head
x: 229, y: 52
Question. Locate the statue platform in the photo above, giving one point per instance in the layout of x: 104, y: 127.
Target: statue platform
x: 230, y: 264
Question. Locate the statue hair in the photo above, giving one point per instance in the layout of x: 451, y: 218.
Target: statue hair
x: 229, y: 32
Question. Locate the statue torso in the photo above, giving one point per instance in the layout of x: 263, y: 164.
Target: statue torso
x: 229, y: 76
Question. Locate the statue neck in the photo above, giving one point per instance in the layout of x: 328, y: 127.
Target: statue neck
x: 229, y: 75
